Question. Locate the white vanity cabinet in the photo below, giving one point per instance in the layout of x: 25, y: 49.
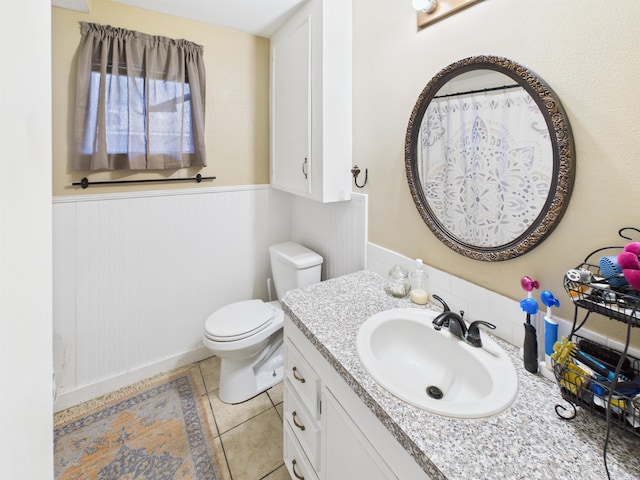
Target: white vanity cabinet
x: 348, y: 454
x: 310, y: 102
x: 329, y: 434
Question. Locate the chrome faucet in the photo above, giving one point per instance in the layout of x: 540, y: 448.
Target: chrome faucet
x: 456, y: 325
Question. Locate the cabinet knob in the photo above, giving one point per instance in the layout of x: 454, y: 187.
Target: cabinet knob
x: 294, y: 414
x: 296, y: 376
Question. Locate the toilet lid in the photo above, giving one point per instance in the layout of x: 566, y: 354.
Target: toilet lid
x: 238, y: 320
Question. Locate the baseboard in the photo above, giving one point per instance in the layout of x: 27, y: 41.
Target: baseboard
x: 82, y: 394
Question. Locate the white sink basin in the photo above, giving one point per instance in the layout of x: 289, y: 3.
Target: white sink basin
x: 403, y: 353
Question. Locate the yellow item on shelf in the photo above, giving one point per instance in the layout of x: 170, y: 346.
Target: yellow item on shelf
x: 574, y: 378
x: 578, y: 291
x: 562, y: 351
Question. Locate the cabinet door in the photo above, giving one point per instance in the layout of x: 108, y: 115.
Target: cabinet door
x: 348, y: 454
x: 290, y: 114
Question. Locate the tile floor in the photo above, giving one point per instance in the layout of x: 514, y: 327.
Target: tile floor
x: 248, y: 436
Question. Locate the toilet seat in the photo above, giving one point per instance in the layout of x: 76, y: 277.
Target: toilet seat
x: 238, y: 320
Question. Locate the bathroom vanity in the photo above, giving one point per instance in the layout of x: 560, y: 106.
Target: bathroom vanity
x: 340, y: 424
x: 329, y: 432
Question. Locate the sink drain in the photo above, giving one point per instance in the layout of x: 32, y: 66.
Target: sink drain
x: 434, y: 392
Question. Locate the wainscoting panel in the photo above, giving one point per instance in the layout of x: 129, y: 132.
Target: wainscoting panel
x: 64, y: 294
x: 136, y: 275
x: 337, y: 231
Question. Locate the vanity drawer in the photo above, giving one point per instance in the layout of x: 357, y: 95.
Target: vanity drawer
x: 302, y: 378
x: 294, y: 458
x: 302, y: 424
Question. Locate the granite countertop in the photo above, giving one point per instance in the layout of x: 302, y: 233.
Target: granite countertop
x: 528, y: 440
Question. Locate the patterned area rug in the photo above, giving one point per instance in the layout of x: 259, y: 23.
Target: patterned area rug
x: 156, y: 430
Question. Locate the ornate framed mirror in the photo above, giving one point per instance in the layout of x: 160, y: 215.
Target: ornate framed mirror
x: 489, y: 158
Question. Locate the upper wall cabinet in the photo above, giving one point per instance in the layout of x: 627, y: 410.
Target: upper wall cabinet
x: 311, y: 102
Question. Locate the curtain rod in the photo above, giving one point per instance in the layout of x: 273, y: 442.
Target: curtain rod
x: 482, y: 90
x: 84, y: 183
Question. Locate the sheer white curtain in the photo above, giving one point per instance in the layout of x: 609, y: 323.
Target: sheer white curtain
x: 485, y: 164
x: 140, y: 101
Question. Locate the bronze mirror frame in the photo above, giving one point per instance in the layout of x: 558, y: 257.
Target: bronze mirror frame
x: 563, y: 158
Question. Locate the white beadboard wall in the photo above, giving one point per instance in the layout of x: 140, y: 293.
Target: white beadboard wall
x: 337, y: 231
x: 136, y: 275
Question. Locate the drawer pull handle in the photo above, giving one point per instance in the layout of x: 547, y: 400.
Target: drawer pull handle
x: 295, y: 422
x: 293, y: 464
x: 296, y: 376
x: 304, y: 170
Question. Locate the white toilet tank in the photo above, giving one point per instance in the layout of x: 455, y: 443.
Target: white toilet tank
x: 293, y: 266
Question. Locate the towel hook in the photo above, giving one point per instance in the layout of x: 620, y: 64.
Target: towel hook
x: 355, y: 171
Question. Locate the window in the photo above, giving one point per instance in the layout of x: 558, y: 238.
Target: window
x: 140, y: 102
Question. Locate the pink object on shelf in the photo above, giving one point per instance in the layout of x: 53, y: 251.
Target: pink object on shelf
x: 630, y: 265
x: 633, y: 247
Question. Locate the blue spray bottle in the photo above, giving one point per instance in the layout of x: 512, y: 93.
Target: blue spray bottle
x: 550, y: 325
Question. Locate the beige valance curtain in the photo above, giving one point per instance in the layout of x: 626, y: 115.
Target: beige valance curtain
x: 140, y: 101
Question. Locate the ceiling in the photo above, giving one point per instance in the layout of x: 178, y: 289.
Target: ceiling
x: 258, y: 17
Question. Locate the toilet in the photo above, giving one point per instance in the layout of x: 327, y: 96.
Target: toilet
x: 247, y: 335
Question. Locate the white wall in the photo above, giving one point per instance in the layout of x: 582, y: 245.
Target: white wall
x: 337, y: 231
x: 137, y: 274
x: 26, y: 420
x: 586, y: 50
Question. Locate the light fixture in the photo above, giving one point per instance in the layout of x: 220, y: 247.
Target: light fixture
x: 430, y: 11
x: 426, y: 6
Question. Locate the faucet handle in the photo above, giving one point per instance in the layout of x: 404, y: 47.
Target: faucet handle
x: 445, y: 307
x: 473, y: 332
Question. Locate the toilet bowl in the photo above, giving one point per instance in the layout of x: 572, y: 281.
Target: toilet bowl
x: 247, y: 335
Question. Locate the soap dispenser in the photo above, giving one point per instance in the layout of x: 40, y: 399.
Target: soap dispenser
x: 418, y: 279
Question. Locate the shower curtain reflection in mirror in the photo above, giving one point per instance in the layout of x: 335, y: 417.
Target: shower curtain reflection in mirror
x: 485, y: 163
